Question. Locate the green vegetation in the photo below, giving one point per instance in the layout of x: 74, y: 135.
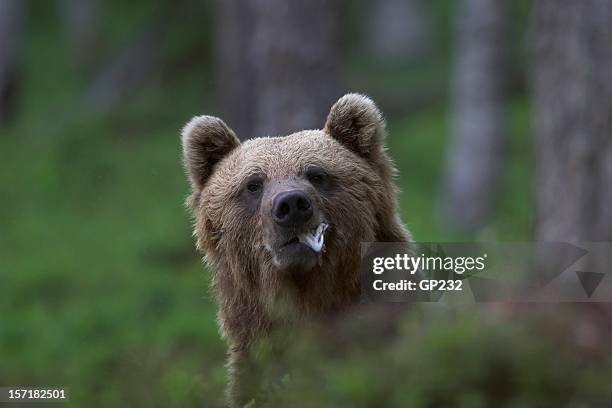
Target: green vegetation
x: 102, y: 290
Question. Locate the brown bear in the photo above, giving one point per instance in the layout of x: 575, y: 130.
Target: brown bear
x: 280, y: 219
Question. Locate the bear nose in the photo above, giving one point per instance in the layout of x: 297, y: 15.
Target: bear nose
x: 291, y: 209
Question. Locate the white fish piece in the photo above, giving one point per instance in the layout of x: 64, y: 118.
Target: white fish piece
x: 315, y: 238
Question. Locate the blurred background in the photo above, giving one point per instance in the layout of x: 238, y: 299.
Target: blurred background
x: 500, y: 122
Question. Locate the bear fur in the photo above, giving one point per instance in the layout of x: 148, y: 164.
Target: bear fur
x: 346, y: 176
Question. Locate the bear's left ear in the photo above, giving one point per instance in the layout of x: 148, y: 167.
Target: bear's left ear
x: 206, y: 140
x: 356, y: 122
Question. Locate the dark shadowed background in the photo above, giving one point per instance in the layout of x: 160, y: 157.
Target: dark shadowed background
x: 500, y: 122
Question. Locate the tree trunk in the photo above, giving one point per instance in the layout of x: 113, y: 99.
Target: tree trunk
x: 398, y: 30
x: 279, y: 64
x: 80, y: 20
x: 572, y: 83
x: 475, y: 155
x: 11, y: 30
x: 129, y: 70
x: 235, y: 76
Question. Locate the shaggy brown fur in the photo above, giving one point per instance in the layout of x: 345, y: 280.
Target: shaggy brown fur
x: 355, y: 196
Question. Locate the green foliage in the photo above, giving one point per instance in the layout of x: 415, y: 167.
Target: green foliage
x: 103, y: 292
x: 480, y: 358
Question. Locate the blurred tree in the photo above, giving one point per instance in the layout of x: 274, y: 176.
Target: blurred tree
x: 572, y: 83
x: 11, y: 30
x: 398, y: 30
x: 131, y: 67
x: 80, y: 18
x: 235, y: 77
x: 476, y: 146
x: 278, y: 64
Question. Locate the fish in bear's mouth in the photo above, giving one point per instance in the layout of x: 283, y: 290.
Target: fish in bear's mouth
x: 313, y: 239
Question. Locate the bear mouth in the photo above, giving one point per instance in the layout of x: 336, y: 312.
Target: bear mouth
x: 299, y: 251
x: 313, y: 239
x: 294, y: 240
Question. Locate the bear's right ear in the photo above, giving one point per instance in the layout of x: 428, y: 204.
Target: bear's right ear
x: 206, y: 140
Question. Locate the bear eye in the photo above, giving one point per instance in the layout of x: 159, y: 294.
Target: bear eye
x: 316, y: 178
x: 316, y: 175
x: 254, y: 186
x: 251, y: 192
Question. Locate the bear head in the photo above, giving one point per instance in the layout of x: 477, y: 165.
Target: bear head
x: 280, y: 219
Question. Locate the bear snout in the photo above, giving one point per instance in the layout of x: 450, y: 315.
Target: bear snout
x: 291, y: 209
x: 291, y: 220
